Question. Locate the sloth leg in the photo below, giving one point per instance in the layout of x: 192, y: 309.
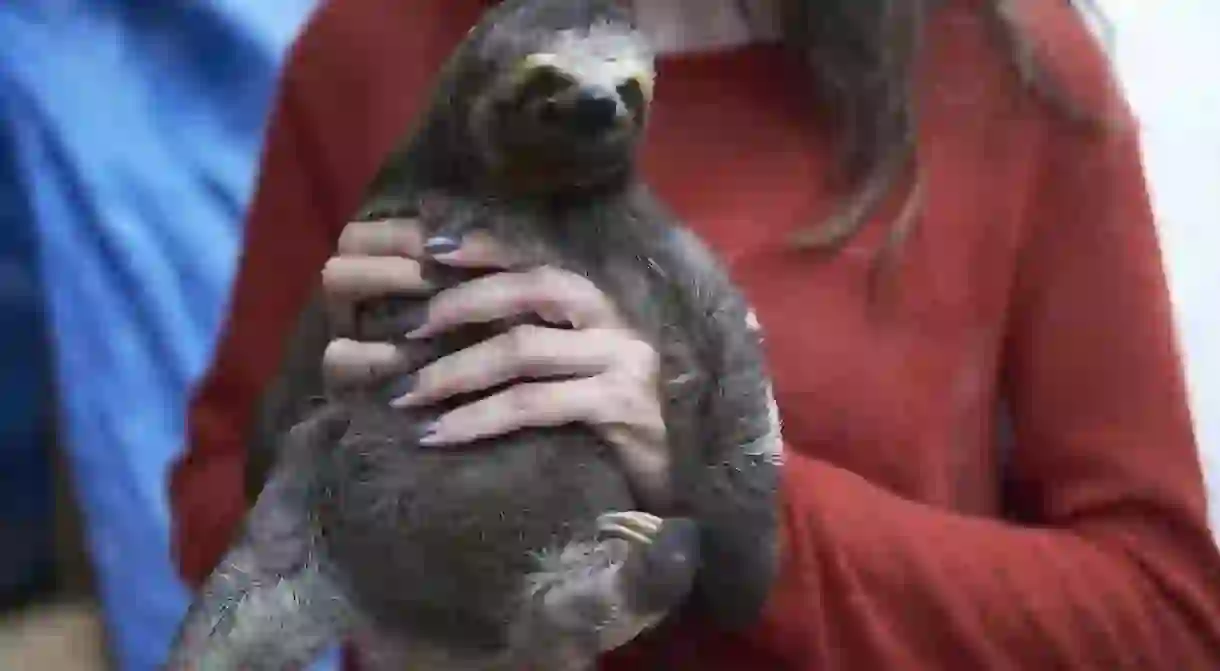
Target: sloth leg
x: 661, y: 562
x: 596, y: 596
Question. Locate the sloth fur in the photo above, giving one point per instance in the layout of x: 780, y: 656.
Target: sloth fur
x: 511, y: 552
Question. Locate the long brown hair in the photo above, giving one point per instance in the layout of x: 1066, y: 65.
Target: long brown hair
x: 861, y: 54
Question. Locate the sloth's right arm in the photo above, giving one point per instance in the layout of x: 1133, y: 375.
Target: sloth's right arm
x: 723, y: 427
x: 269, y: 605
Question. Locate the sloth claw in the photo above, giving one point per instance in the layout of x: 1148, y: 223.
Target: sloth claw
x: 599, y: 596
x: 632, y: 526
x: 662, y: 557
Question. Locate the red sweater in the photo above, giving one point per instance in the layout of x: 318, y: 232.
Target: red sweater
x: 912, y: 539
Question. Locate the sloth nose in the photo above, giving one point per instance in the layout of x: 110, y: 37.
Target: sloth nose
x: 594, y: 111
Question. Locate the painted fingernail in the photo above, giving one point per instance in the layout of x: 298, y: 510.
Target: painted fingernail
x: 440, y: 245
x: 400, y: 388
x: 429, y: 436
x: 389, y: 320
x: 412, y: 320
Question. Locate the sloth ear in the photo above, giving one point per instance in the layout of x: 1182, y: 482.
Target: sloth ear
x: 268, y: 605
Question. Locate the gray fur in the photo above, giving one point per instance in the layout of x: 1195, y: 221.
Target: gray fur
x: 486, y: 557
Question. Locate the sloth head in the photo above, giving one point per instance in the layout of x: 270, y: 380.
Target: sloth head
x: 555, y: 93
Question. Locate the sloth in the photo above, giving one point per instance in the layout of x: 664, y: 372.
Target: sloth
x: 527, y: 550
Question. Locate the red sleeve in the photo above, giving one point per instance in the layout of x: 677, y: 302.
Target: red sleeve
x: 1112, y: 565
x: 353, y: 82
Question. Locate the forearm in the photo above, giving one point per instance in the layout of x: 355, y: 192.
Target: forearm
x: 871, y: 580
x: 723, y: 430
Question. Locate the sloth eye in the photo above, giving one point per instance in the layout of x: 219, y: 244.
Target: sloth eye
x: 542, y: 82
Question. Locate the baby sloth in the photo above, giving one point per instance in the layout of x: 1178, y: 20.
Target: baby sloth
x: 525, y: 551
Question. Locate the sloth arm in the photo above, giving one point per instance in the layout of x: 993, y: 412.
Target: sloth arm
x: 722, y: 427
x: 269, y: 605
x: 351, y: 86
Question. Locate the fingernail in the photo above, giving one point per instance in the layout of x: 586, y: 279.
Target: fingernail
x: 400, y: 388
x: 390, y: 318
x: 441, y: 245
x: 429, y: 436
x: 414, y: 319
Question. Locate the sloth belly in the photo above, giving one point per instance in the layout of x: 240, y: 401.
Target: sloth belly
x: 442, y: 541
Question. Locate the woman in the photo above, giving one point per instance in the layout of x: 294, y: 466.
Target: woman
x: 976, y: 153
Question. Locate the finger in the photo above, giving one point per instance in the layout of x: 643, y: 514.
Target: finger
x: 383, y: 237
x: 525, y: 351
x: 347, y: 280
x: 557, y: 296
x: 476, y: 249
x: 351, y: 278
x: 599, y: 400
x: 535, y: 404
x: 348, y: 363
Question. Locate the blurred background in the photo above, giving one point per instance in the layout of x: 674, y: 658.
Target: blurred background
x: 130, y: 133
x: 129, y: 138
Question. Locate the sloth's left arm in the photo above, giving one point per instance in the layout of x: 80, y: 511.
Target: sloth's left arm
x: 724, y: 431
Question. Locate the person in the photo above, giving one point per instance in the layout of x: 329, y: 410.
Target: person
x: 979, y: 154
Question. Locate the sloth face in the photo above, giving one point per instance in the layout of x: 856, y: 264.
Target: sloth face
x: 567, y: 104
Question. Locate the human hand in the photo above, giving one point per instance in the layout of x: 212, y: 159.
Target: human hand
x: 609, y: 374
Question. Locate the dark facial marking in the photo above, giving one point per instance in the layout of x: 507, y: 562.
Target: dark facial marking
x: 592, y: 112
x: 632, y: 95
x: 543, y: 83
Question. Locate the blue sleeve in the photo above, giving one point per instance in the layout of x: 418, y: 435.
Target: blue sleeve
x: 131, y: 138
